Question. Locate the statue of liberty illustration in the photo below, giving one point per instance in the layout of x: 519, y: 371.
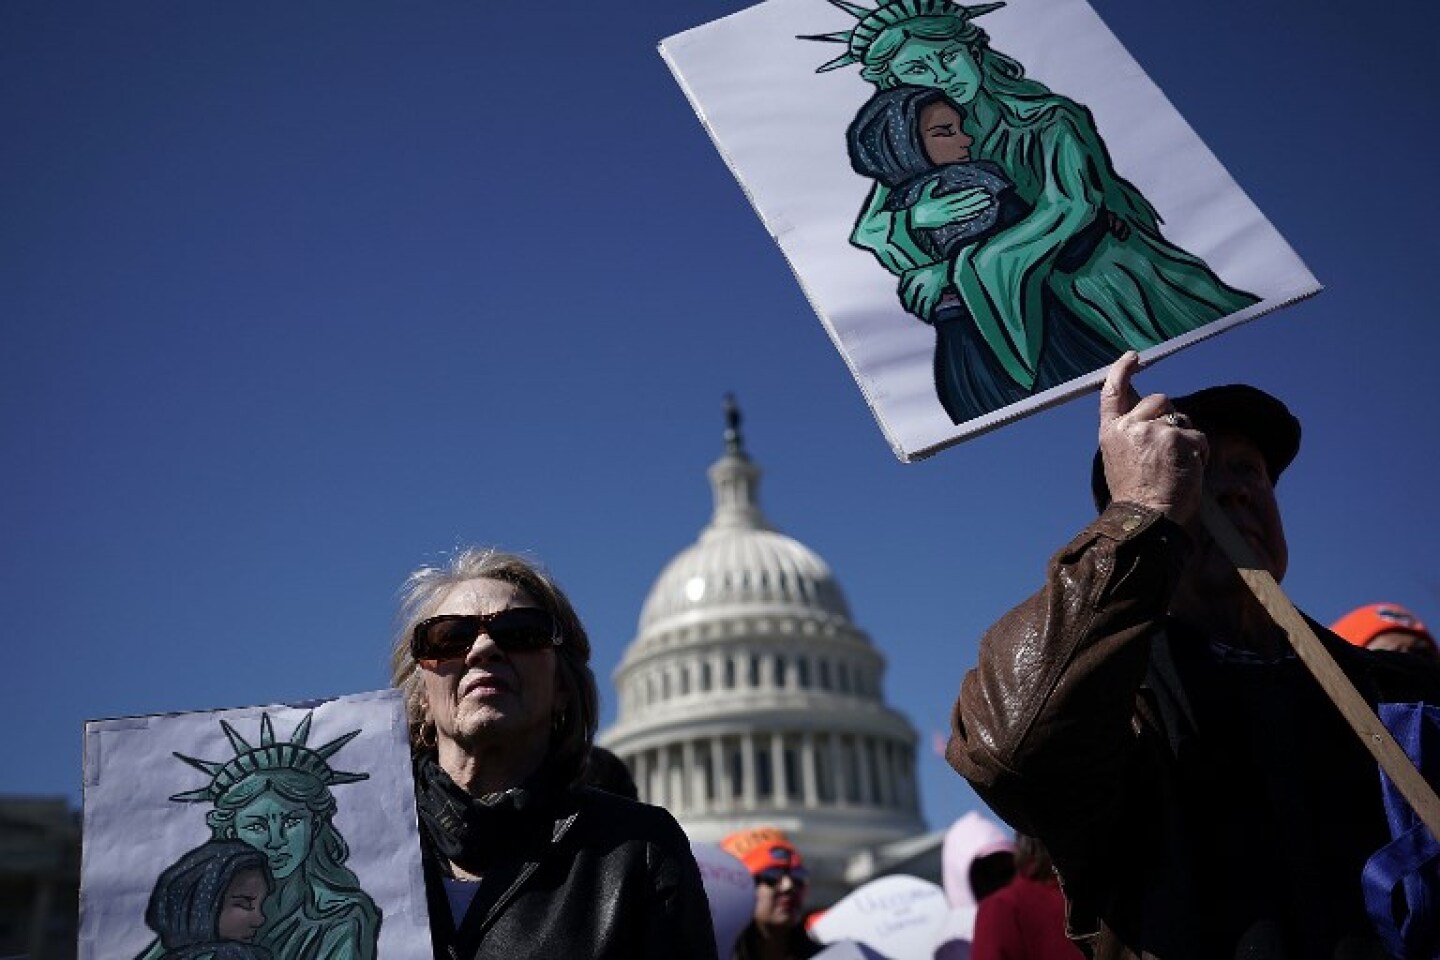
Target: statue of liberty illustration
x: 997, y: 207
x: 276, y: 797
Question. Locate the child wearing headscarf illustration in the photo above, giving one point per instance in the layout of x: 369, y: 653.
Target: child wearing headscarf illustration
x: 912, y: 140
x: 209, y: 904
x: 276, y: 798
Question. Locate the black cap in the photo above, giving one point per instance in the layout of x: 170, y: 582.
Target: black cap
x: 1235, y: 408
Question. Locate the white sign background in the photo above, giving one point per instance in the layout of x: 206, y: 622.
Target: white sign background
x: 780, y: 127
x: 133, y: 830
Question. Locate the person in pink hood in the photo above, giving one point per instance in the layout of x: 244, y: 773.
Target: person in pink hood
x: 977, y: 858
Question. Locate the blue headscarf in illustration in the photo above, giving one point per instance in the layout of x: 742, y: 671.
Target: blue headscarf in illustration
x: 209, y: 904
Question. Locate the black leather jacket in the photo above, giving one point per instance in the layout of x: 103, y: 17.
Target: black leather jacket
x: 592, y: 877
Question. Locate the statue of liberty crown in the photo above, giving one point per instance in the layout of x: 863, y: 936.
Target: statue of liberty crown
x: 269, y: 755
x: 874, y: 22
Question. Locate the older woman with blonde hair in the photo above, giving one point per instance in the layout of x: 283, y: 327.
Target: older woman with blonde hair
x: 521, y: 860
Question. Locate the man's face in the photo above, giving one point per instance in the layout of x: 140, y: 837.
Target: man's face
x: 1236, y: 476
x: 1210, y: 591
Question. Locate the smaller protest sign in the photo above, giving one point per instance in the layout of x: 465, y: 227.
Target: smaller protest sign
x: 275, y: 832
x: 730, y: 890
x: 898, y: 916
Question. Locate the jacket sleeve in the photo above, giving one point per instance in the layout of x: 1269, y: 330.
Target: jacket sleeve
x: 1043, y: 728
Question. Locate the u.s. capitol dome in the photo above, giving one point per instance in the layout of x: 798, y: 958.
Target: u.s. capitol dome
x: 749, y: 696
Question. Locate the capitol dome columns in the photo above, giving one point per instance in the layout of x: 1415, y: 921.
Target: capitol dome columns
x: 777, y: 771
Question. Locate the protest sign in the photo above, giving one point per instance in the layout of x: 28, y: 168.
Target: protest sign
x: 897, y: 916
x: 730, y: 890
x: 279, y: 832
x: 985, y: 205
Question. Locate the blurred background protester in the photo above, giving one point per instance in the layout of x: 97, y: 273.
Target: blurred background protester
x: 1387, y: 626
x: 777, y: 930
x: 520, y: 858
x: 976, y: 859
x: 1025, y: 920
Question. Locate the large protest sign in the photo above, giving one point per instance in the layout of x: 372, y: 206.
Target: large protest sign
x: 984, y: 204
x: 272, y: 832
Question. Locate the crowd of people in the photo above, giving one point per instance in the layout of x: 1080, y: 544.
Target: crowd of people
x: 534, y: 842
x: 1180, y: 785
x: 1177, y: 783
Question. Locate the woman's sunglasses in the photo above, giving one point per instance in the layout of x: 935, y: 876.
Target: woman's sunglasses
x: 450, y: 636
x: 771, y: 876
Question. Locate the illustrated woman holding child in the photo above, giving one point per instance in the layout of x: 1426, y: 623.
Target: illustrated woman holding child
x: 1050, y: 263
x: 291, y: 897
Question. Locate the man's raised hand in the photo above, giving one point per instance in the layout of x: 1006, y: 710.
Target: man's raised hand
x: 1153, y: 457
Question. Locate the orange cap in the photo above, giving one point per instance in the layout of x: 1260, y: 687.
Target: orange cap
x: 1365, y: 624
x: 761, y: 847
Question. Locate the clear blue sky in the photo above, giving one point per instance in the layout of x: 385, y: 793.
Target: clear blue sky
x: 297, y: 296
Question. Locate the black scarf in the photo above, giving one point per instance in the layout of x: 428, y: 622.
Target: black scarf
x: 477, y: 832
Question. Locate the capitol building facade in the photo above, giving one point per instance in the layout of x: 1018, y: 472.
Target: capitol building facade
x: 749, y: 697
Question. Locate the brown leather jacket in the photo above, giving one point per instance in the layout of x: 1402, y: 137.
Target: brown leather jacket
x: 1199, y: 802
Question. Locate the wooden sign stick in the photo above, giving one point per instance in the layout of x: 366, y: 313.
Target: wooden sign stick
x: 1317, y: 659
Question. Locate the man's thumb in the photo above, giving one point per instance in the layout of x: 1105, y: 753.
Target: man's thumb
x: 1117, y: 396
